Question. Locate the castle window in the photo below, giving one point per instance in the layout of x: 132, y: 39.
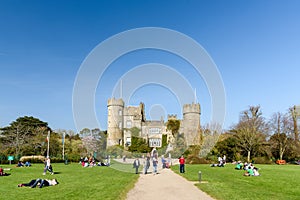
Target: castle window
x: 154, y: 131
x: 155, y: 142
x: 128, y: 124
x: 120, y: 112
x: 120, y: 125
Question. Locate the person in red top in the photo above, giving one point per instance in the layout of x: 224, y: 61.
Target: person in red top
x: 181, y: 162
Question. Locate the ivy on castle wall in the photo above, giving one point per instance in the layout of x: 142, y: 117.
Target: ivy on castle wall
x: 164, y: 141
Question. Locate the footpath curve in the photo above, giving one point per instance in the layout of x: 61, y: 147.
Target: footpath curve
x: 167, y: 185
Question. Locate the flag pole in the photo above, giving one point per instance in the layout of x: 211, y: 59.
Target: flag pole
x: 48, y: 139
x: 63, y: 143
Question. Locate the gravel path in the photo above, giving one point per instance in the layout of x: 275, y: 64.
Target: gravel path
x: 167, y: 185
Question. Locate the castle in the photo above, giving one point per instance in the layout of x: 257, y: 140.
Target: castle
x: 121, y: 119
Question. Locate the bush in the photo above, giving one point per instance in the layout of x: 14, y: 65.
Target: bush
x: 262, y: 160
x: 196, y: 160
x: 33, y: 159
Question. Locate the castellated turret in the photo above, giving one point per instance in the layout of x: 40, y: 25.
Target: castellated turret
x: 115, y: 121
x: 190, y: 124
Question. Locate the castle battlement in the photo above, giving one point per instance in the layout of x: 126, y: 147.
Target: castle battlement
x: 172, y: 116
x: 115, y: 102
x: 191, y: 108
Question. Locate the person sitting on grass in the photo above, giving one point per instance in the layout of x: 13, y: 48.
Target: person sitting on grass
x: 249, y: 172
x: 20, y: 164
x: 27, y: 164
x: 39, y: 182
x: 239, y: 166
x: 255, y: 172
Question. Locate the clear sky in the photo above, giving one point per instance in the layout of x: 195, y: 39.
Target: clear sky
x: 254, y: 44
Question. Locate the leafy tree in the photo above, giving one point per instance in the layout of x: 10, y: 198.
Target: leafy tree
x: 20, y: 134
x: 228, y: 146
x: 173, y: 125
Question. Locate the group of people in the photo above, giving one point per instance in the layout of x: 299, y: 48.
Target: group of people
x: 249, y: 168
x: 221, y: 162
x: 152, y: 157
x: 42, y: 182
x: 21, y: 164
x: 91, y: 162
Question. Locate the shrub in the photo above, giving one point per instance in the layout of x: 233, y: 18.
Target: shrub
x: 191, y: 159
x: 33, y: 159
x: 262, y: 160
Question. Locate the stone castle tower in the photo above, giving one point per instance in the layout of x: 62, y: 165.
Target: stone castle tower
x: 115, y: 121
x: 190, y: 124
x: 122, y: 118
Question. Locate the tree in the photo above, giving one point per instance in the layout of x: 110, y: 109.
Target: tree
x: 281, y: 127
x: 294, y: 115
x: 210, y: 135
x: 228, y: 146
x: 94, y: 141
x: 250, y: 131
x: 173, y: 125
x: 20, y: 134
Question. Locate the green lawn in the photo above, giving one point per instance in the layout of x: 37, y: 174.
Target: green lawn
x: 75, y: 182
x: 275, y: 182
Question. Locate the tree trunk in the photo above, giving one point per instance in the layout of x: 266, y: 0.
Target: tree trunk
x: 280, y: 153
x: 248, y: 157
x: 294, y: 116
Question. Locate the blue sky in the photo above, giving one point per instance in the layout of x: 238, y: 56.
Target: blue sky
x: 254, y: 44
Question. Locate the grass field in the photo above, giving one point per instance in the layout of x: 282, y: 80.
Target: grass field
x: 275, y: 182
x: 75, y: 182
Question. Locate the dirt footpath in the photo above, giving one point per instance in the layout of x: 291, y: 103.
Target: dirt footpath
x: 167, y: 185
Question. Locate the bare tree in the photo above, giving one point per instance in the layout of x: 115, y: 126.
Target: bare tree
x: 281, y: 127
x: 210, y: 135
x: 250, y: 131
x: 294, y: 115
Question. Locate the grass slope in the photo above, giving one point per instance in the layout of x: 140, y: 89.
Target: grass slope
x: 75, y: 182
x: 275, y: 182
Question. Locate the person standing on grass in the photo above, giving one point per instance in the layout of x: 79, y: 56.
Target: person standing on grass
x: 181, y: 164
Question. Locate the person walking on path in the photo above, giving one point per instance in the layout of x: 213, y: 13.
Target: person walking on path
x: 154, y: 163
x: 146, y: 163
x: 136, y: 165
x: 181, y: 164
x: 48, y: 166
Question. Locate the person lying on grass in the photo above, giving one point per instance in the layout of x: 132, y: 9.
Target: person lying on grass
x: 2, y: 173
x: 39, y: 182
